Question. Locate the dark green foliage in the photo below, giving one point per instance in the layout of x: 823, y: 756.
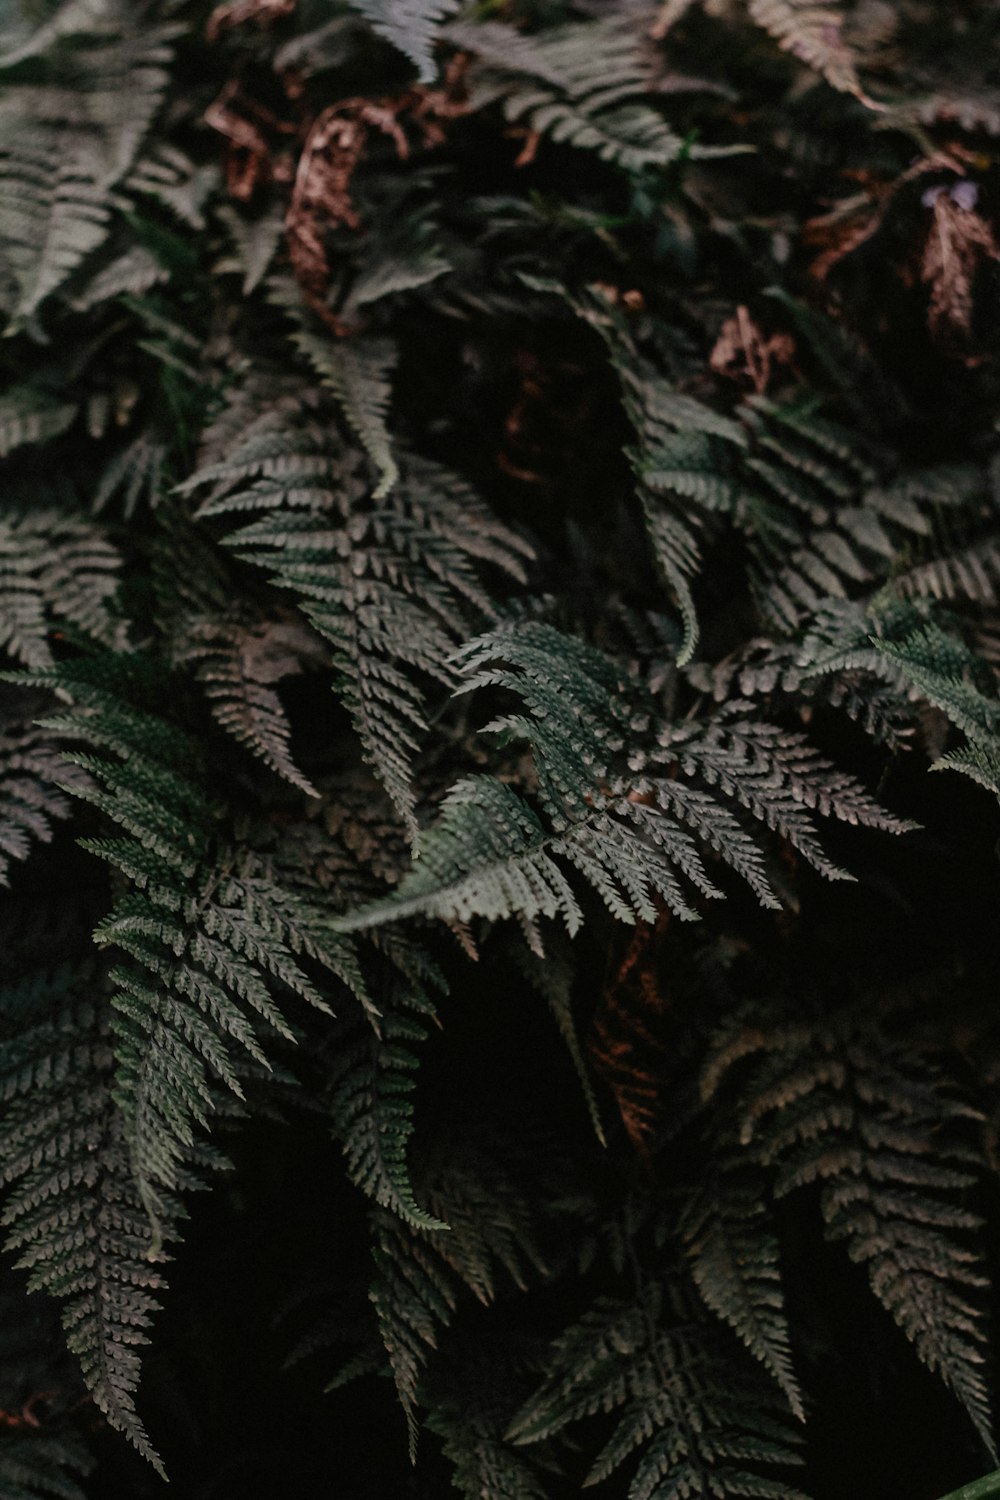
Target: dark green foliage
x: 499, y: 517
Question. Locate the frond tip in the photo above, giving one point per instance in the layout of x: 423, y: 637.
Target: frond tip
x: 410, y: 25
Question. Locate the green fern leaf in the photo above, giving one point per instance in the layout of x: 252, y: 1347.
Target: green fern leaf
x: 74, y: 1214
x: 54, y: 567
x: 411, y: 25
x: 695, y: 1420
x: 842, y: 1108
x: 371, y: 1087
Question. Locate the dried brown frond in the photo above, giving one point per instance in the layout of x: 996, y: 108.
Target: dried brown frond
x: 335, y: 144
x: 625, y: 1047
x: 239, y: 12
x: 841, y: 231
x: 743, y: 352
x: 251, y: 159
x: 957, y: 244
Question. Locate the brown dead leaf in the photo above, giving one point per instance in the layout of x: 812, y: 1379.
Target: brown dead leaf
x: 251, y: 159
x: 238, y: 12
x: 334, y: 145
x: 743, y: 352
x: 958, y: 242
x: 625, y: 1045
x: 321, y: 197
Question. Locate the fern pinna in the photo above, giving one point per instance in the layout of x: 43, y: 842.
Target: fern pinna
x: 499, y: 516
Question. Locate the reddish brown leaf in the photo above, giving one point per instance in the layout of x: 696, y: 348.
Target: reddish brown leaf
x: 743, y: 352
x: 335, y: 144
x: 958, y: 242
x: 238, y: 12
x: 626, y: 1050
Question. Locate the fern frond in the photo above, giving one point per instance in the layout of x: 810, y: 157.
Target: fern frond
x: 696, y: 1420
x: 411, y: 25
x: 54, y: 567
x: 491, y: 855
x: 237, y: 664
x: 582, y: 85
x: 207, y: 938
x: 470, y: 1411
x: 255, y: 242
x: 67, y: 136
x: 390, y: 586
x: 371, y: 1088
x: 681, y: 451
x: 30, y: 799
x: 942, y: 670
x: 74, y: 1214
x: 778, y: 777
x: 839, y: 1106
x: 733, y: 1254
x: 357, y: 372
x: 422, y: 1275
x: 811, y: 31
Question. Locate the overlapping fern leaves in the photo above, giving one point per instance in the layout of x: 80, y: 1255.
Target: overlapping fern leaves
x: 390, y: 583
x: 633, y: 837
x: 320, y: 450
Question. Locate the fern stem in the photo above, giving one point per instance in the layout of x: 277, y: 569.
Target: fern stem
x: 979, y: 1489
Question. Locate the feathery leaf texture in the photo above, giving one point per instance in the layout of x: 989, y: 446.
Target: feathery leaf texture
x: 74, y: 1214
x: 630, y: 835
x: 697, y: 1422
x: 410, y: 25
x: 237, y: 664
x: 733, y: 1253
x: 54, y: 567
x: 333, y: 331
x: 68, y: 135
x: 811, y: 32
x: 842, y: 1108
x: 371, y: 1104
x: 206, y: 937
x: 942, y: 670
x: 31, y: 802
x: 389, y: 583
x: 582, y: 85
x: 422, y: 1274
x: 471, y: 1419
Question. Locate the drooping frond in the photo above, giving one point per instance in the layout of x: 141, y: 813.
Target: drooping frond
x: 811, y: 30
x: 74, y: 109
x: 389, y: 584
x: 238, y: 665
x: 841, y: 1107
x: 472, y: 1406
x: 371, y: 1102
x: 74, y: 1215
x: 357, y: 371
x: 733, y: 1254
x: 680, y: 457
x: 410, y: 25
x: 942, y: 670
x: 421, y: 1275
x: 690, y: 1419
x: 54, y: 567
x: 208, y: 938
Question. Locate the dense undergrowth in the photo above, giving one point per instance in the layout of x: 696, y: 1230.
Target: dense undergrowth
x: 499, y: 521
